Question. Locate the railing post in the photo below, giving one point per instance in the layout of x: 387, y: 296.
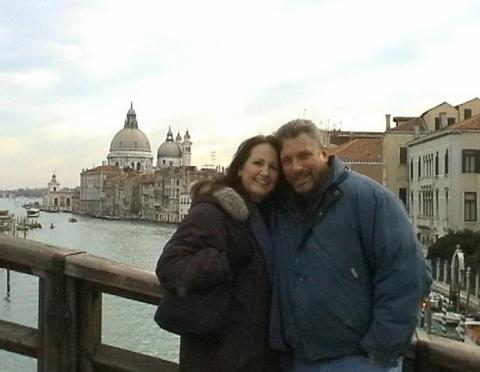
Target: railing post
x: 89, y: 312
x: 57, y: 320
x: 477, y: 281
x: 54, y: 322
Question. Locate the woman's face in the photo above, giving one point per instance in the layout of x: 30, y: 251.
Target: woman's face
x: 259, y: 174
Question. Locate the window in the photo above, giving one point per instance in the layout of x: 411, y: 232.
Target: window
x: 419, y: 167
x: 411, y: 169
x: 446, y: 162
x: 450, y: 121
x: 471, y: 161
x: 446, y: 204
x: 436, y: 164
x: 467, y: 114
x: 436, y: 202
x: 402, y: 194
x: 470, y: 208
x: 403, y: 155
x: 437, y: 123
x: 428, y: 203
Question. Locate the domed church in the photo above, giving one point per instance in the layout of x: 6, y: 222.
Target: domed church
x: 175, y: 153
x: 130, y: 147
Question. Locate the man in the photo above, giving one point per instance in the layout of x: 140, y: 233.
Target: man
x: 348, y: 273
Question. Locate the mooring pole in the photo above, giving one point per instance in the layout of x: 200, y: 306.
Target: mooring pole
x: 8, y: 283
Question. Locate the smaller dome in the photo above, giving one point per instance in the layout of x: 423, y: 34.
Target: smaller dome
x: 186, y: 137
x: 169, y: 150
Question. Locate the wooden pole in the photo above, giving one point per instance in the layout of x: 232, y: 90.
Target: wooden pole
x: 8, y: 284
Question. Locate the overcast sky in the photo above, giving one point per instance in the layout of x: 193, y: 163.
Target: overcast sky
x: 224, y: 70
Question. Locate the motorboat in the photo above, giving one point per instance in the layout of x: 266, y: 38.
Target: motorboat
x: 33, y: 213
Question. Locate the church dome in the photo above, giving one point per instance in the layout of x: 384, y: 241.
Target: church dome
x: 169, y: 150
x: 130, y: 139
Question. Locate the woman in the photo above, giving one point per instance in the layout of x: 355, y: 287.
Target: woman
x: 214, y: 245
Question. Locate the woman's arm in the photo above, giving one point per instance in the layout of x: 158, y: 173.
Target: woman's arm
x: 195, y: 258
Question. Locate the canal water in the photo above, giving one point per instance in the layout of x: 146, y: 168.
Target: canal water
x: 126, y: 323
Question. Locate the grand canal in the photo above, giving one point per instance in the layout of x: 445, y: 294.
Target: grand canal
x: 126, y: 323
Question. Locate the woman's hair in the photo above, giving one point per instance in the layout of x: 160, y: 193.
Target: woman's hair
x: 231, y: 178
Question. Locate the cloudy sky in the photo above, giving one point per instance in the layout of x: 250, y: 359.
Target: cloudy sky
x: 224, y: 70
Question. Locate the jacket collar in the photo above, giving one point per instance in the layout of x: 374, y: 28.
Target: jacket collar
x: 228, y: 199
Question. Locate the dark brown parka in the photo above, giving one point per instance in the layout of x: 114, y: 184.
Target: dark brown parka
x: 214, y: 244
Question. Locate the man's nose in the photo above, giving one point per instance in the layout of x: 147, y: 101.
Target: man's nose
x: 296, y: 166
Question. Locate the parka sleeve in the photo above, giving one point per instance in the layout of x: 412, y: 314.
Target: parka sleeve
x: 400, y: 276
x: 194, y: 258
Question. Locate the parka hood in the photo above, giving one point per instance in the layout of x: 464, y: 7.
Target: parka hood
x: 228, y: 199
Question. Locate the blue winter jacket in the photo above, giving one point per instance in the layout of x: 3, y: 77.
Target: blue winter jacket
x: 349, y: 277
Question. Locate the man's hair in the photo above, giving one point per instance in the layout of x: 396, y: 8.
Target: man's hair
x: 295, y: 127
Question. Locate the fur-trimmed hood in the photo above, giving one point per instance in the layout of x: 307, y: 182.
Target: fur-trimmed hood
x: 228, y: 198
x: 232, y: 202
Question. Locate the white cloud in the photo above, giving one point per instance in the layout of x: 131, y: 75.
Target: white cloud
x: 223, y: 70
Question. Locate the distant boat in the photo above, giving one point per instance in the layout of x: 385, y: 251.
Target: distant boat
x: 52, y: 225
x: 33, y: 212
x: 71, y: 219
x: 35, y: 225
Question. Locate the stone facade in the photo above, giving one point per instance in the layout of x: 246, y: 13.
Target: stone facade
x: 163, y: 196
x: 444, y: 180
x: 57, y: 199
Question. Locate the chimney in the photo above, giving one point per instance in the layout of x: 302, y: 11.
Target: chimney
x: 443, y: 120
x: 416, y: 128
x: 387, y: 119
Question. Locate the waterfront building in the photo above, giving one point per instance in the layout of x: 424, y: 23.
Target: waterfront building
x: 128, y: 186
x: 130, y: 147
x: 56, y: 199
x: 444, y: 179
x: 92, y: 197
x: 396, y: 139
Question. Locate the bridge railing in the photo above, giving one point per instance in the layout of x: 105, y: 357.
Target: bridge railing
x: 68, y: 337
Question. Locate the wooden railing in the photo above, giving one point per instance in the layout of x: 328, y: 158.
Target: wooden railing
x: 68, y: 337
x: 71, y: 284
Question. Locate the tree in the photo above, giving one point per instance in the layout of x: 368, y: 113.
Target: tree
x: 469, y: 242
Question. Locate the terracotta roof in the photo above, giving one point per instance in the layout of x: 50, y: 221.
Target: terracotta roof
x: 147, y: 178
x: 470, y: 100
x: 472, y: 123
x: 104, y: 168
x: 372, y: 170
x: 409, y: 125
x: 360, y: 149
x: 433, y: 108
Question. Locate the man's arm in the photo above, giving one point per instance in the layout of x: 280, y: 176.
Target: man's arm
x: 400, y: 278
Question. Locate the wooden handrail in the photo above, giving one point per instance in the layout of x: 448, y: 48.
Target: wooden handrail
x: 69, y: 334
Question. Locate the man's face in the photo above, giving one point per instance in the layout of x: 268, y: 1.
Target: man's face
x: 304, y: 163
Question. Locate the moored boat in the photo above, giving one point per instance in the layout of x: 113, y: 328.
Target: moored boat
x: 33, y: 212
